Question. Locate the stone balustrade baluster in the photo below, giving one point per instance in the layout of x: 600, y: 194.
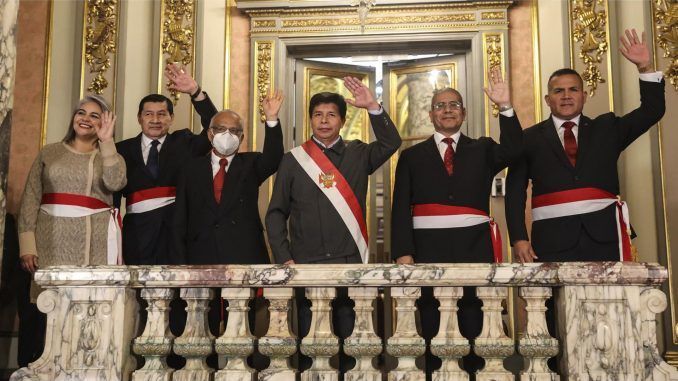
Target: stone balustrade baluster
x: 320, y: 344
x: 363, y: 344
x: 236, y: 343
x: 279, y: 343
x: 449, y: 344
x: 537, y: 345
x: 492, y: 344
x: 155, y: 343
x: 196, y: 343
x: 406, y: 344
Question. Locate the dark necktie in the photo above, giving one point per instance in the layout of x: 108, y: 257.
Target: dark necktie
x: 570, y: 142
x: 449, y: 155
x: 152, y: 163
x: 219, y: 180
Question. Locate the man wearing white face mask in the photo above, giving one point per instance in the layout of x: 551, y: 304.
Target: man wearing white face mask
x: 217, y: 217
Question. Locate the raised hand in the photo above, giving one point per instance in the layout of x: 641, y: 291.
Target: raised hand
x: 636, y: 50
x: 179, y: 80
x: 498, y: 90
x: 272, y: 104
x: 362, y: 96
x: 105, y: 132
x: 524, y: 252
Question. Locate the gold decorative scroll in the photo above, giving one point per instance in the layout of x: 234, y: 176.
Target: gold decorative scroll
x: 666, y: 19
x: 493, y: 15
x: 177, y: 33
x: 493, y: 59
x: 100, y: 40
x: 264, y: 75
x: 589, y: 23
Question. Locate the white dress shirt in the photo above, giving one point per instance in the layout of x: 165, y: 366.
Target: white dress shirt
x: 146, y: 145
x: 215, y: 163
x: 442, y: 146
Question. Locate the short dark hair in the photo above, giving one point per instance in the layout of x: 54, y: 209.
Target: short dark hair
x: 564, y: 71
x: 156, y: 98
x: 445, y: 90
x: 327, y: 97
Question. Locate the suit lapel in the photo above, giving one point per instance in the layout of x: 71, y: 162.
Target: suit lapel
x: 139, y: 157
x: 232, y: 183
x: 548, y: 130
x: 583, y: 139
x: 432, y: 150
x: 164, y: 155
x: 205, y: 177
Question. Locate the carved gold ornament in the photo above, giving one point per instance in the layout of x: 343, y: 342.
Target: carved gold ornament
x: 177, y: 30
x: 666, y: 18
x: 100, y: 40
x: 589, y: 30
x: 264, y: 52
x: 493, y: 53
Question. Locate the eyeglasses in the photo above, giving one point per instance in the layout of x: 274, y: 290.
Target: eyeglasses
x: 454, y: 105
x: 233, y: 130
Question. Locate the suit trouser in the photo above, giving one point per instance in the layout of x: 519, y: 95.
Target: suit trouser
x: 470, y: 318
x: 587, y: 249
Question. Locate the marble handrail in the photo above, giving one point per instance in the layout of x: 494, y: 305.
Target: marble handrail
x: 606, y: 315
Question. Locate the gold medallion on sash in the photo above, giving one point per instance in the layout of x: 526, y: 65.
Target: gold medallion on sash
x: 326, y: 179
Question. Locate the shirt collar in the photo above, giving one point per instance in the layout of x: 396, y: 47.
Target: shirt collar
x: 215, y: 159
x: 327, y: 146
x: 559, y: 122
x: 146, y: 141
x: 438, y: 137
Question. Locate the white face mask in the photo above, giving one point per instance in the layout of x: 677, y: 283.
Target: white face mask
x: 225, y: 143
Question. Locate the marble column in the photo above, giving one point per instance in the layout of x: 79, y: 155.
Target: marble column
x: 8, y: 14
x: 155, y: 343
x: 320, y: 344
x: 406, y: 344
x: 237, y: 342
x: 363, y: 344
x: 279, y: 343
x: 195, y: 344
x: 449, y: 344
x: 537, y: 346
x: 492, y: 344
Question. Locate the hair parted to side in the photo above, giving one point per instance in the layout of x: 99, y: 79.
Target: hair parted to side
x: 156, y: 98
x: 327, y: 97
x: 444, y: 90
x: 70, y: 133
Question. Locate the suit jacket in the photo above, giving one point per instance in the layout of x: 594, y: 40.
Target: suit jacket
x: 229, y: 232
x: 147, y: 238
x: 316, y: 231
x: 600, y: 142
x: 421, y: 178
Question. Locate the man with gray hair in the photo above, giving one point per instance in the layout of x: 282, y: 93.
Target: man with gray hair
x: 441, y: 202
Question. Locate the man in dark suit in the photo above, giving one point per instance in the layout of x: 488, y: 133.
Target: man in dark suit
x: 572, y: 162
x: 441, y: 202
x: 153, y: 159
x: 217, y: 216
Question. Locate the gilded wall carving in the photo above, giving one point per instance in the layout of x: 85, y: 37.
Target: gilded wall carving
x: 100, y: 40
x: 177, y: 33
x: 589, y: 30
x: 666, y: 19
x: 493, y: 59
x: 263, y: 76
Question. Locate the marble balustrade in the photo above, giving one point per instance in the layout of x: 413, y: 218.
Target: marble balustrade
x: 606, y: 314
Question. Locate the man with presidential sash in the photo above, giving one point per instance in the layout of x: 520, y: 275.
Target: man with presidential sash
x: 321, y: 188
x: 441, y: 203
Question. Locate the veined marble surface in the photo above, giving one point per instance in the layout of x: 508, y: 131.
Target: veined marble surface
x: 476, y: 274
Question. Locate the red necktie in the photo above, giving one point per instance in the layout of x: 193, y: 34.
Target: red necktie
x: 219, y: 180
x: 449, y: 155
x: 570, y: 142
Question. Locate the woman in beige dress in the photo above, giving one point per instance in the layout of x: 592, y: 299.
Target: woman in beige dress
x: 82, y: 171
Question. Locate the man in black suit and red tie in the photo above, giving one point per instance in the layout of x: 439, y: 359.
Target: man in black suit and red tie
x: 441, y: 202
x: 572, y: 162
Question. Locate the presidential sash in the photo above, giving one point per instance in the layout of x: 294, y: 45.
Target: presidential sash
x: 581, y: 201
x: 335, y: 187
x: 149, y: 199
x: 438, y: 216
x: 75, y: 205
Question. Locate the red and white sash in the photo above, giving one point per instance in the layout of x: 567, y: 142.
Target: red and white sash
x: 149, y: 199
x: 438, y: 216
x: 333, y: 184
x: 75, y: 205
x: 581, y: 201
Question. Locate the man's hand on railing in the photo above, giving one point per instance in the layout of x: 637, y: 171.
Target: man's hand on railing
x: 524, y: 251
x: 290, y: 262
x: 405, y: 260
